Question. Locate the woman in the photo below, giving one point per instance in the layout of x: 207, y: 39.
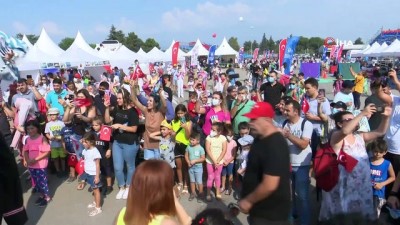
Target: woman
x: 359, y: 86
x: 352, y: 196
x: 152, y: 187
x: 154, y: 113
x: 125, y: 146
x: 71, y: 88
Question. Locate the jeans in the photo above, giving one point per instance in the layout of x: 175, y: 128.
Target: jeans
x: 124, y: 152
x: 254, y: 82
x: 151, y: 153
x: 196, y: 174
x: 300, y: 189
x: 357, y: 102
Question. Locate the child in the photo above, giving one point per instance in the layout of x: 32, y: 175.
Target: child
x: 192, y: 106
x: 91, y: 175
x: 67, y: 144
x: 245, y: 142
x: 227, y: 170
x: 36, y: 152
x: 216, y: 148
x: 194, y: 157
x: 166, y: 143
x: 53, y: 133
x: 190, y: 84
x: 254, y: 96
x: 104, y: 147
x: 380, y: 169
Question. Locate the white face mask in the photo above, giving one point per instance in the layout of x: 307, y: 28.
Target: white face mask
x: 76, y: 80
x: 215, y: 102
x: 213, y: 133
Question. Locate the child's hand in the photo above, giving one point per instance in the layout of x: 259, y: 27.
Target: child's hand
x: 25, y: 163
x: 108, y: 153
x: 193, y: 162
x: 378, y: 186
x: 96, y: 179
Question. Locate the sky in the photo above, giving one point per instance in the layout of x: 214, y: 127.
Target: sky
x: 187, y: 20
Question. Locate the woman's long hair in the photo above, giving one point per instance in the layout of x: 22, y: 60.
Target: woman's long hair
x: 223, y: 102
x: 125, y: 97
x: 181, y: 107
x: 150, y: 193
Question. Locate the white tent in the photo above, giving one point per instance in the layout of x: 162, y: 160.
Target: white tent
x: 373, y: 47
x: 202, y: 51
x: 393, y: 49
x: 46, y: 45
x: 155, y: 55
x: 27, y: 42
x: 82, y: 44
x: 225, y: 49
x: 142, y: 56
x: 360, y: 53
x: 168, y: 54
x: 125, y: 53
x: 377, y: 52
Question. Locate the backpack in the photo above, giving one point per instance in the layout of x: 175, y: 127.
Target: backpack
x: 326, y: 167
x: 302, y: 124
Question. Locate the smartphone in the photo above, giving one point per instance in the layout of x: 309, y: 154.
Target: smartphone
x: 380, y: 109
x: 71, y: 97
x: 157, y: 86
x: 183, y: 120
x: 322, y: 92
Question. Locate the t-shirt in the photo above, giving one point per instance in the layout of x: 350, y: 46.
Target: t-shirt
x: 211, y: 115
x: 195, y: 152
x: 191, y: 108
x: 245, y: 108
x: 269, y: 156
x: 300, y: 157
x: 181, y: 135
x: 379, y: 173
x: 326, y: 109
x: 128, y: 117
x: 272, y: 94
x: 36, y: 147
x: 101, y: 145
x: 29, y: 95
x: 393, y: 133
x: 216, y: 147
x: 359, y: 84
x: 90, y: 155
x: 54, y: 129
x: 152, y: 124
x: 340, y: 96
x: 99, y: 103
x: 376, y: 118
x: 67, y: 132
x: 167, y: 151
x: 229, y: 147
x: 52, y: 99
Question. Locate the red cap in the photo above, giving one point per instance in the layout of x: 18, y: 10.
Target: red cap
x: 261, y: 109
x: 77, y: 75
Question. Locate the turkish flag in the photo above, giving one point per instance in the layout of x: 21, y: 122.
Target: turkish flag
x: 175, y: 50
x: 347, y: 161
x: 105, y: 133
x: 80, y: 167
x: 138, y: 73
x: 339, y: 53
x: 333, y: 52
x: 305, y: 106
x: 282, y: 48
x: 255, y: 53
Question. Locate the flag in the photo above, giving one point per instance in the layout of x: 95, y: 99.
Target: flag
x: 105, y: 133
x: 138, y: 73
x: 175, y: 50
x: 265, y: 53
x: 289, y: 52
x: 282, y: 48
x: 151, y: 67
x: 333, y: 51
x: 195, y: 55
x: 339, y: 53
x: 324, y: 53
x: 305, y: 106
x: 255, y: 53
x: 241, y: 55
x: 211, y: 54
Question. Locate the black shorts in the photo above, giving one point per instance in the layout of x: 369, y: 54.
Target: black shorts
x: 179, y: 150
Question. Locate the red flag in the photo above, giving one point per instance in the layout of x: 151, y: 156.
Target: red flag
x: 339, y: 53
x: 333, y: 51
x: 282, y: 48
x: 138, y: 73
x: 151, y: 67
x: 80, y: 167
x: 347, y: 161
x: 175, y: 50
x: 255, y: 53
x: 105, y: 133
x: 305, y: 106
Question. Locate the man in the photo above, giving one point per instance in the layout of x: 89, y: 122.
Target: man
x: 231, y: 96
x: 78, y: 81
x: 345, y: 95
x: 29, y: 93
x: 298, y: 133
x: 99, y: 98
x: 375, y: 118
x: 53, y: 97
x: 256, y: 74
x: 266, y: 190
x: 239, y: 107
x: 272, y: 90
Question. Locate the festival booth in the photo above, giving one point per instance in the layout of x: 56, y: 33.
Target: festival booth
x: 198, y: 49
x: 27, y: 42
x: 47, y: 45
x: 344, y: 69
x: 311, y: 70
x: 123, y: 57
x: 373, y: 47
x: 226, y: 51
x: 155, y: 55
x: 393, y: 50
x: 359, y: 53
x: 377, y: 52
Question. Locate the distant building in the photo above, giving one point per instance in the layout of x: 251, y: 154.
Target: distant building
x: 387, y: 36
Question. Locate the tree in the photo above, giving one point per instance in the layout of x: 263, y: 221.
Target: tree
x: 264, y: 43
x: 302, y: 46
x: 133, y: 42
x: 66, y: 43
x: 315, y: 43
x: 246, y: 46
x: 31, y: 37
x: 92, y: 45
x: 149, y: 44
x: 271, y: 45
x: 233, y: 42
x: 254, y: 45
x: 358, y: 41
x: 116, y: 35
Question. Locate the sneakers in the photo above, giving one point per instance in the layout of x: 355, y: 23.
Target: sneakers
x: 71, y: 179
x: 126, y: 192
x: 200, y: 198
x: 44, y: 202
x: 91, y: 205
x: 120, y: 193
x: 39, y: 200
x: 191, y: 197
x: 95, y: 211
x: 185, y: 190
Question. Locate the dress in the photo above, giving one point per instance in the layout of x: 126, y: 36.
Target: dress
x: 353, y: 192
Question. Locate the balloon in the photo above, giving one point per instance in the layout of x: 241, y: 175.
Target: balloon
x: 214, y: 35
x: 241, y: 18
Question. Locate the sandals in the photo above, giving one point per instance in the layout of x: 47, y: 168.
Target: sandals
x: 228, y: 191
x: 81, y: 186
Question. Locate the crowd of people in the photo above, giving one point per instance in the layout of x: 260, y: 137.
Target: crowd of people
x: 260, y: 133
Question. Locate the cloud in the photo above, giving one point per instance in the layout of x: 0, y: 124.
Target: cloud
x: 20, y: 27
x: 125, y: 24
x: 52, y: 28
x: 101, y: 28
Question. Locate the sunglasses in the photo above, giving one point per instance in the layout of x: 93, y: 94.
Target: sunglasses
x: 347, y: 120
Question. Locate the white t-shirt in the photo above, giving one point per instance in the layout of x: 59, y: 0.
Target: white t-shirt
x: 300, y: 157
x: 393, y: 132
x: 346, y: 98
x: 54, y: 129
x: 90, y: 155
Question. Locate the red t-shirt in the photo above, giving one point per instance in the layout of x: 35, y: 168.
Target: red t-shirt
x: 191, y: 108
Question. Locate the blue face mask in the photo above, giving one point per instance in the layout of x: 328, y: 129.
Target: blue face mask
x: 271, y: 79
x: 292, y: 86
x: 335, y: 110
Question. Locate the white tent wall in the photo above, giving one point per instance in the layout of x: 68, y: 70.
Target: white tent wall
x: 393, y: 50
x: 47, y: 45
x: 202, y: 51
x: 373, y: 47
x: 377, y: 52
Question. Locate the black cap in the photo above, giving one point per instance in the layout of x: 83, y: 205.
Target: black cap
x: 347, y: 84
x: 339, y: 104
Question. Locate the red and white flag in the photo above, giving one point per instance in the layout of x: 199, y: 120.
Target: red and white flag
x: 105, y: 133
x: 282, y: 48
x: 138, y: 73
x: 255, y: 53
x: 175, y: 50
x: 333, y: 51
x: 339, y: 53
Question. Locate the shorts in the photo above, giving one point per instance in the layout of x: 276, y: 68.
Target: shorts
x: 227, y: 170
x: 106, y: 166
x: 378, y: 204
x: 180, y: 150
x: 57, y: 153
x: 151, y: 153
x: 72, y: 160
x: 90, y: 180
x: 196, y: 174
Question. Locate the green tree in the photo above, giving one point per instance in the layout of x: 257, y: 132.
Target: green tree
x: 233, y: 42
x: 255, y: 45
x: 246, y: 46
x: 116, y: 35
x: 358, y: 41
x: 92, y: 45
x: 31, y: 37
x: 133, y: 42
x: 264, y: 43
x: 271, y: 45
x: 302, y: 46
x: 66, y: 43
x: 315, y: 43
x: 149, y: 44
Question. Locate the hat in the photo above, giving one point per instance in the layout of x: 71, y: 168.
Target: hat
x: 53, y: 111
x: 164, y: 123
x: 77, y: 75
x: 261, y: 109
x: 246, y: 140
x: 347, y: 84
x: 339, y: 104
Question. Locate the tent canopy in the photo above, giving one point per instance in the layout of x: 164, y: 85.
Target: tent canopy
x: 373, y: 47
x: 46, y: 45
x: 155, y: 55
x: 202, y: 51
x: 377, y: 52
x: 393, y: 49
x: 225, y: 49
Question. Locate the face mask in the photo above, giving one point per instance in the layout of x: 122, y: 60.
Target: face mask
x: 101, y: 92
x: 215, y: 102
x: 271, y: 79
x: 244, y: 97
x: 76, y: 80
x: 335, y: 110
x: 292, y: 86
x: 213, y: 133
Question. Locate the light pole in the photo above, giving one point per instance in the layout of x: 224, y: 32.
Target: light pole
x: 251, y: 41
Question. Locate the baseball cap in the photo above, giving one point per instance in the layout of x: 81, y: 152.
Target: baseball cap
x: 347, y: 84
x: 339, y: 104
x: 261, y: 109
x: 53, y: 111
x: 164, y: 123
x: 77, y: 75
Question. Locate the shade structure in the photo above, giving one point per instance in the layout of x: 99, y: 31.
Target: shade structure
x: 373, y: 47
x: 168, y: 54
x: 225, y: 49
x: 202, y: 51
x: 46, y: 45
x: 377, y: 52
x: 27, y: 42
x: 360, y: 53
x: 155, y: 55
x: 393, y: 50
x: 142, y: 56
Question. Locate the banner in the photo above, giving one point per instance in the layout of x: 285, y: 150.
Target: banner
x: 255, y: 54
x: 339, y: 53
x: 344, y: 69
x: 311, y: 70
x: 194, y: 56
x: 211, y: 54
x: 289, y: 52
x: 333, y: 52
x: 324, y: 50
x: 282, y: 48
x: 175, y: 50
x: 241, y: 55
